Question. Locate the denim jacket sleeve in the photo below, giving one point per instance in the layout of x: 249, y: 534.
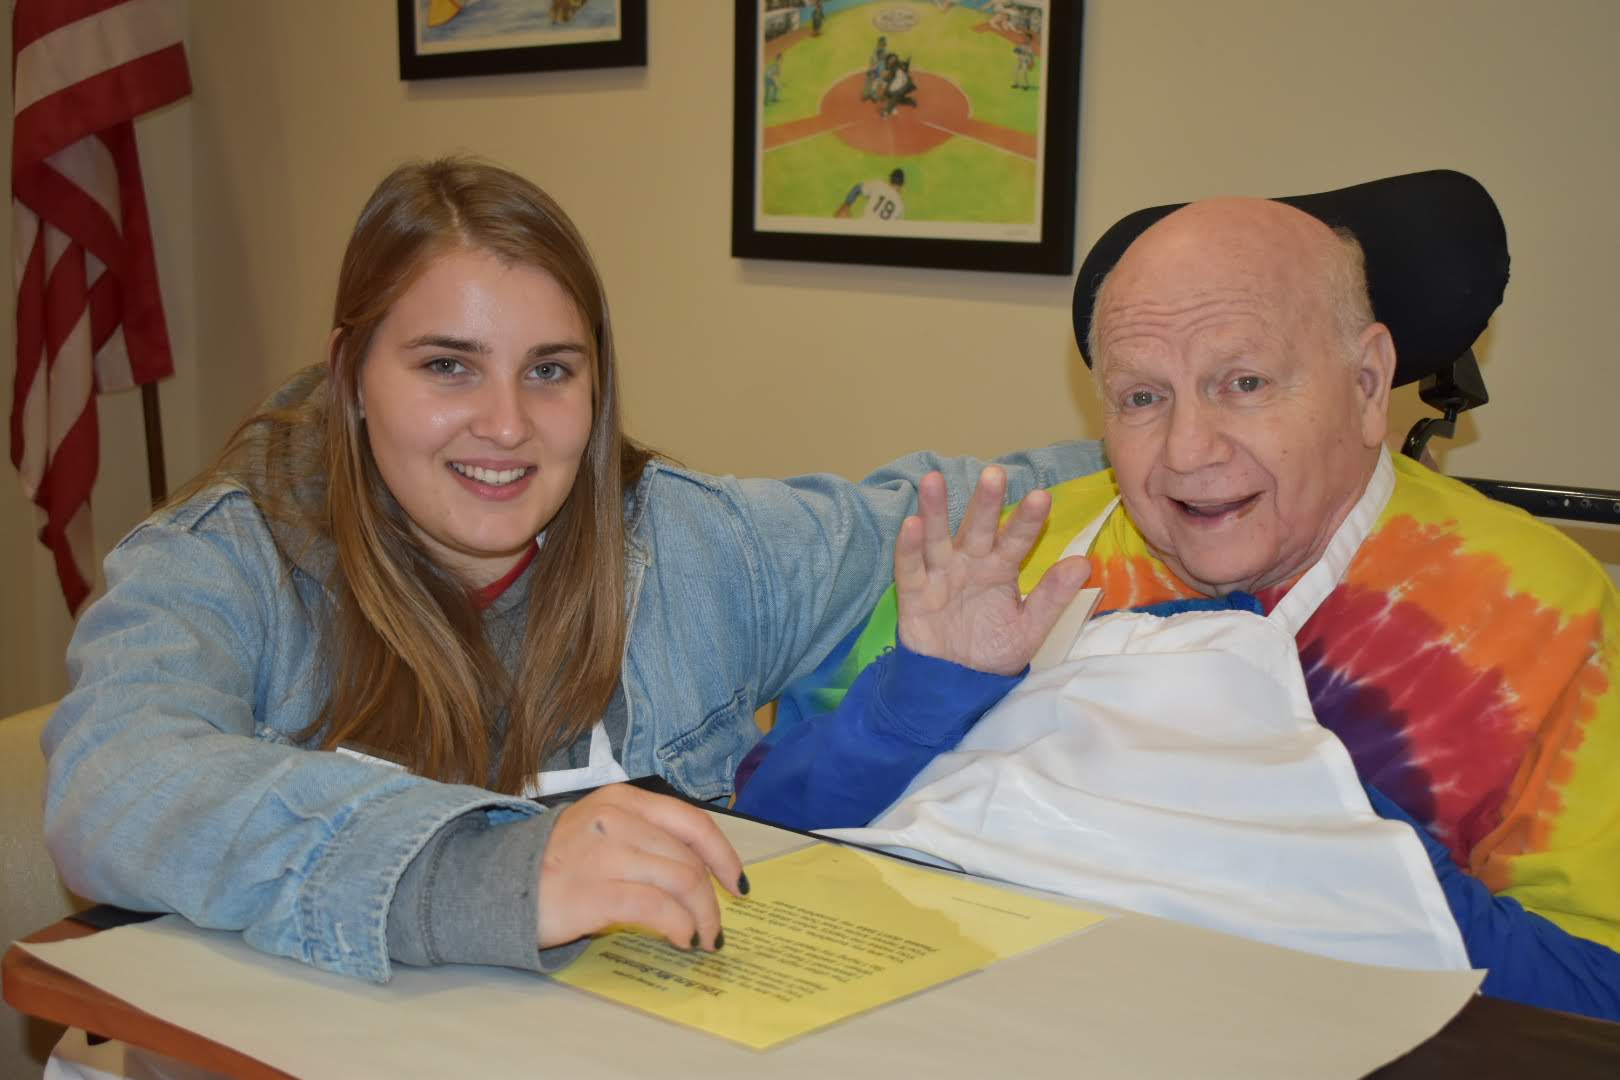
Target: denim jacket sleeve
x: 1027, y: 471
x: 173, y: 781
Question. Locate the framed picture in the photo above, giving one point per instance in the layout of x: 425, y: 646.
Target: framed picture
x: 907, y: 132
x: 443, y: 38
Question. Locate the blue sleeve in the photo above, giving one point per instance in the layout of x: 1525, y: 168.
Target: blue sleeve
x: 1237, y: 600
x: 843, y: 768
x: 1530, y: 959
x: 854, y: 193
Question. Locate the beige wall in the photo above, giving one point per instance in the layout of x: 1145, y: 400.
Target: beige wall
x: 771, y: 367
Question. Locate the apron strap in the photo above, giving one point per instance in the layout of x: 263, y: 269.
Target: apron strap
x: 1294, y: 610
x: 1081, y: 544
x: 601, y: 747
x: 600, y: 769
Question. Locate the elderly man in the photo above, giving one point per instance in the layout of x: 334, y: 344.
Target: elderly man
x: 1465, y: 656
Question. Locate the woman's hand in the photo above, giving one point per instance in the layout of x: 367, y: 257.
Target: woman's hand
x: 958, y: 598
x: 623, y: 855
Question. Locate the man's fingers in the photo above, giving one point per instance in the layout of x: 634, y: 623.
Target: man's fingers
x: 1023, y: 526
x: 910, y: 568
x: 977, y: 534
x: 1052, y: 594
x: 936, y: 522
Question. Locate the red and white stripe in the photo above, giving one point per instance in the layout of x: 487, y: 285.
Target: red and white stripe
x: 89, y: 313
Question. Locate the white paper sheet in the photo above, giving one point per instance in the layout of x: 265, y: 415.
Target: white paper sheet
x: 1133, y: 997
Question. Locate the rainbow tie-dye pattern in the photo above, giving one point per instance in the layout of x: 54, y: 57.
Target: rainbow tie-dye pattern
x: 1470, y: 662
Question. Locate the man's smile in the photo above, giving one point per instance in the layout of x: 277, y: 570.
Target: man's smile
x: 1212, y: 509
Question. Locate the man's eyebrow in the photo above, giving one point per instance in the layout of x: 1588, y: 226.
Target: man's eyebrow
x: 1123, y: 368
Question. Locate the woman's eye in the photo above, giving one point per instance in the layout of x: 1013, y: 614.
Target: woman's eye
x: 1140, y: 399
x: 443, y: 365
x: 1247, y: 384
x: 551, y: 371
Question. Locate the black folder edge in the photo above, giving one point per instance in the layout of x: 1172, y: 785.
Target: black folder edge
x: 108, y: 917
x: 659, y: 786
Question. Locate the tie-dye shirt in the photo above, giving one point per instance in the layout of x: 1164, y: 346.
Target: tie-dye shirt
x: 1470, y: 662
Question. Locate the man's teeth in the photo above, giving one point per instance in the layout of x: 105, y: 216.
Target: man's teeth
x: 1212, y: 509
x: 492, y: 477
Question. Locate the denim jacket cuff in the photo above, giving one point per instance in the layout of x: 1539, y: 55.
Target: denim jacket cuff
x: 343, y: 906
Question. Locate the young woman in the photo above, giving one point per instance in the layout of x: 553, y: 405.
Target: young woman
x: 431, y: 579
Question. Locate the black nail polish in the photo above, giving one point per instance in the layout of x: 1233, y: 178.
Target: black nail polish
x: 719, y: 940
x: 694, y: 939
x: 742, y: 884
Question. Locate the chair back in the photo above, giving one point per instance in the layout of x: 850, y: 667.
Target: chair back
x: 31, y: 895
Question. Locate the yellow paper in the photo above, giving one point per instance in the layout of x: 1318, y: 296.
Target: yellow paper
x: 825, y: 933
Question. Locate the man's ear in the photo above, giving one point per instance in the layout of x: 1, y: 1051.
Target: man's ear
x: 1374, y: 371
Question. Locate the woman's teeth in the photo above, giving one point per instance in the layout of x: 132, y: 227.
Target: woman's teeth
x: 492, y: 477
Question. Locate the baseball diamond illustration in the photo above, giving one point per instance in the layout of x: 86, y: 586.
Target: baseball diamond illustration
x: 943, y: 111
x: 937, y: 90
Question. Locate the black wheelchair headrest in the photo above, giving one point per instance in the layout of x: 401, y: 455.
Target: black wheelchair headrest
x: 1437, y: 260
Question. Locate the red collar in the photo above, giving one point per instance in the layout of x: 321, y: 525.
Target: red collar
x: 487, y: 595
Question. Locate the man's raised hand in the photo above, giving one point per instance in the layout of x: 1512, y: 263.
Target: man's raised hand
x: 958, y: 596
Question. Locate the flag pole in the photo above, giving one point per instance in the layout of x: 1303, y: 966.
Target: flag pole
x: 156, y: 474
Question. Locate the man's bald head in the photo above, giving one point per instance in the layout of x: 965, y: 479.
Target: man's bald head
x: 1259, y: 237
x: 1245, y: 387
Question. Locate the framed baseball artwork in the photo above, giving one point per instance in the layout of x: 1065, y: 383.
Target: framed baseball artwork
x: 446, y: 38
x: 938, y: 133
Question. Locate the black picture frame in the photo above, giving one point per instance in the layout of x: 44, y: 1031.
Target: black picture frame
x: 628, y: 50
x: 1046, y: 249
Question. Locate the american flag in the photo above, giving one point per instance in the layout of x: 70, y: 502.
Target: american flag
x: 89, y: 315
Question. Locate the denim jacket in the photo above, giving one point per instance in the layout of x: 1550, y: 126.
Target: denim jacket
x: 175, y: 779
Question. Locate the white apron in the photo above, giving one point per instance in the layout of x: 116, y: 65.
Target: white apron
x: 601, y: 769
x: 1174, y: 766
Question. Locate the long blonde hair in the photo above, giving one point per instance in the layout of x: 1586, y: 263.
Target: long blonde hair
x: 410, y: 672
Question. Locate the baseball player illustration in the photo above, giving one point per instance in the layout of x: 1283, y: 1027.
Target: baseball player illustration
x: 883, y: 200
x: 899, y: 88
x: 1024, y: 56
x: 773, y: 79
x: 874, y: 71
